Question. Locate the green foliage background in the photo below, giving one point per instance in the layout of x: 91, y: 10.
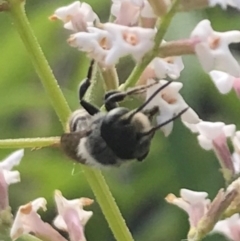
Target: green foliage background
x: 139, y: 188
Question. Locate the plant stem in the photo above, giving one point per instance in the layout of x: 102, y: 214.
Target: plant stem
x: 110, y: 210
x: 186, y: 5
x: 28, y: 237
x: 164, y: 26
x: 110, y: 78
x: 136, y: 73
x: 94, y: 177
x: 177, y: 48
x: 29, y: 142
x: 38, y: 59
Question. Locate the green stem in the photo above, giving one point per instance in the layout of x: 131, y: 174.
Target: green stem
x: 29, y: 142
x: 38, y: 59
x: 94, y: 177
x: 164, y: 26
x: 110, y: 209
x: 28, y: 237
x: 110, y: 78
x: 136, y: 73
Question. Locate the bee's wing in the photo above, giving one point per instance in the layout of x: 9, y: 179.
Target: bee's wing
x: 69, y: 144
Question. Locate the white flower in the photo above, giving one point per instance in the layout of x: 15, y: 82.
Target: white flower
x: 225, y: 82
x: 212, y: 48
x: 160, y: 68
x: 170, y: 103
x: 7, y: 176
x: 211, y: 132
x: 170, y: 66
x: 146, y: 10
x: 236, y: 141
x: 236, y: 153
x: 213, y: 136
x: 229, y: 227
x: 27, y: 220
x: 76, y: 16
x: 72, y: 217
x: 128, y: 12
x: 224, y: 3
x: 133, y: 41
x: 236, y: 162
x: 125, y: 11
x: 12, y: 160
x: 195, y: 204
x: 96, y: 43
x: 113, y: 41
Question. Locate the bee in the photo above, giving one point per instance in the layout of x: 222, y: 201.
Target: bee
x: 113, y: 137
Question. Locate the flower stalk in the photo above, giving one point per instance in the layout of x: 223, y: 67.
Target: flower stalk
x: 110, y: 78
x: 177, y: 48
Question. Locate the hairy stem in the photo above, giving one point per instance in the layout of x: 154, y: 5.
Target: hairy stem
x: 94, y: 177
x: 39, y: 61
x: 30, y: 142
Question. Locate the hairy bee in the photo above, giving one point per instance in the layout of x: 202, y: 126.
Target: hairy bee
x: 111, y: 138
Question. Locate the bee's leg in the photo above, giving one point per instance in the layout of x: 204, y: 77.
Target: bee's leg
x: 111, y: 99
x: 114, y: 96
x: 85, y: 84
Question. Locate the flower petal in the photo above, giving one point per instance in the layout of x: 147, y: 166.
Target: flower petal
x: 193, y: 196
x: 204, y: 142
x: 11, y: 177
x: 12, y: 160
x: 210, y: 130
x: 213, y: 48
x: 223, y: 81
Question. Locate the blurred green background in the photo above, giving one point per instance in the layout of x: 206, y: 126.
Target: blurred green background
x: 139, y: 188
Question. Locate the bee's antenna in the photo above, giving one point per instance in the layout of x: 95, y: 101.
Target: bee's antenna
x: 165, y: 122
x: 149, y: 99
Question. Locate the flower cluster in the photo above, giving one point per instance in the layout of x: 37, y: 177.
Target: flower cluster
x: 71, y: 217
x: 8, y: 177
x: 215, y: 57
x: 105, y: 43
x: 203, y: 213
x: 213, y: 136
